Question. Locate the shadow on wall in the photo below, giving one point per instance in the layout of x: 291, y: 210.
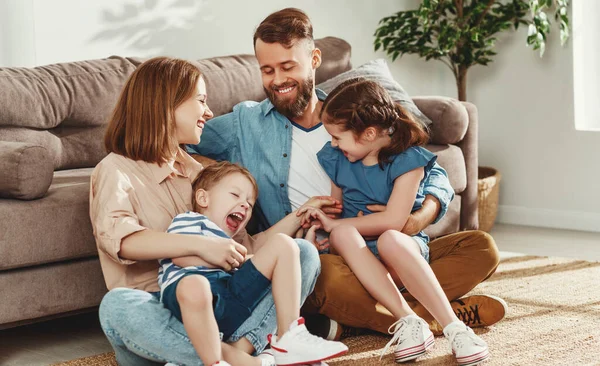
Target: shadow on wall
x: 156, y: 27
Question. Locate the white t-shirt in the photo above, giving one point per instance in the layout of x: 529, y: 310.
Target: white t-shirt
x: 307, y: 178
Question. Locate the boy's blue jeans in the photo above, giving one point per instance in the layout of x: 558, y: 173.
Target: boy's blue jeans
x: 143, y: 332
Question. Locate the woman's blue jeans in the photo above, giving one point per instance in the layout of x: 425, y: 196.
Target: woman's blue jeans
x: 143, y: 332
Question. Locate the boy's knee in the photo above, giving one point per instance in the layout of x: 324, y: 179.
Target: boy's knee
x: 194, y: 290
x: 285, y: 244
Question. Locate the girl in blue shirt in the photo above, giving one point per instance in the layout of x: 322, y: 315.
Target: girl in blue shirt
x: 375, y: 156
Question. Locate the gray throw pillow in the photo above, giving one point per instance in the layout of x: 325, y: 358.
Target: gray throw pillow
x: 378, y: 70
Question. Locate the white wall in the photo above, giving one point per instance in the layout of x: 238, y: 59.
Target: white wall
x: 525, y: 103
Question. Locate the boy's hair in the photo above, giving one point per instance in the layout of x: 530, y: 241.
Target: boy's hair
x: 285, y: 27
x: 358, y: 103
x: 142, y: 126
x: 214, y: 173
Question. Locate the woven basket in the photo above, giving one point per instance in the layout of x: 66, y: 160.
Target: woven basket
x: 487, y: 196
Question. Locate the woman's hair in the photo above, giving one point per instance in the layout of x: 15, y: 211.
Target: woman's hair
x: 358, y: 103
x: 285, y: 27
x: 142, y: 126
x: 214, y: 173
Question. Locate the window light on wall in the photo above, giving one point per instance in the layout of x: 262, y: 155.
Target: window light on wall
x: 586, y: 63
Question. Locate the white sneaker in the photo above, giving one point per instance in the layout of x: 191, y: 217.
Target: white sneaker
x: 298, y: 347
x: 412, y: 336
x: 266, y: 357
x: 467, y: 347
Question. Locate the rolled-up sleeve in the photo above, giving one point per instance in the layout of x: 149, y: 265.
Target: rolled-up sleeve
x: 438, y: 185
x: 111, y: 211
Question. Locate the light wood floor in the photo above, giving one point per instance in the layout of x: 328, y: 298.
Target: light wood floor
x: 79, y: 336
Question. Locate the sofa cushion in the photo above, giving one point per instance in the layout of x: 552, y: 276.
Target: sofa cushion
x: 54, y: 228
x: 64, y: 105
x: 25, y: 170
x: 451, y: 158
x: 52, y: 289
x: 449, y: 116
x: 378, y: 70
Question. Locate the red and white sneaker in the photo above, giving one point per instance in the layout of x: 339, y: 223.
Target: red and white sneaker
x: 412, y: 337
x: 467, y: 347
x: 298, y: 347
x: 221, y: 363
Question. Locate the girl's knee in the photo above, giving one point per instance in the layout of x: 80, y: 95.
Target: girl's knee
x: 394, y: 241
x: 194, y: 290
x: 342, y: 233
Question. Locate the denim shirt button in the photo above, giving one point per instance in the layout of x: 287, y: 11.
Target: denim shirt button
x: 281, y: 185
x: 286, y: 126
x: 285, y: 155
x: 287, y: 212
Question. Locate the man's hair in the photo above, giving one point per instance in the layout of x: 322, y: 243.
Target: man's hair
x: 142, y: 126
x: 286, y: 27
x: 214, y: 173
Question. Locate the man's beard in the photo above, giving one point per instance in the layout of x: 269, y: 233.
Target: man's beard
x: 292, y: 108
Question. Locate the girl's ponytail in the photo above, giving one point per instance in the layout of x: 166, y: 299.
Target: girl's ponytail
x: 404, y: 132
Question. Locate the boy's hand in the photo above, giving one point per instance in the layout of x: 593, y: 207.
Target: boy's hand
x: 328, y: 204
x: 311, y: 236
x: 311, y: 214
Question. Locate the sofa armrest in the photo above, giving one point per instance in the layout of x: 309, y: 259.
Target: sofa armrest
x: 26, y: 170
x: 455, y: 123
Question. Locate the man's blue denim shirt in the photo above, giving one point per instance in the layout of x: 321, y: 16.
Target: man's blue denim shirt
x: 258, y: 137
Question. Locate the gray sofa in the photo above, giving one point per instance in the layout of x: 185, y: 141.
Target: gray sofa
x: 52, y: 120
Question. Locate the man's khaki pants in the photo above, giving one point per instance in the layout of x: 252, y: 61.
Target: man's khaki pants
x: 460, y: 262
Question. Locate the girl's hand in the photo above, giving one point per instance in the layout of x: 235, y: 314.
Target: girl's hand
x: 311, y: 236
x: 224, y: 253
x: 311, y: 214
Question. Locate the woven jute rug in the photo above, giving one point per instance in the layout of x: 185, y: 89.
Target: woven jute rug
x: 553, y: 319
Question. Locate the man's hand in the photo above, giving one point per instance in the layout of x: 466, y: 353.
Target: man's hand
x: 328, y: 204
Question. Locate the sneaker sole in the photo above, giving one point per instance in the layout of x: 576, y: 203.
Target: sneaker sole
x: 414, y: 352
x: 473, y: 359
x: 281, y: 362
x: 486, y: 320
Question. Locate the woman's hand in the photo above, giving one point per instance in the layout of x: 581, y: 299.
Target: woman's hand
x: 313, y: 216
x: 311, y: 236
x: 223, y: 253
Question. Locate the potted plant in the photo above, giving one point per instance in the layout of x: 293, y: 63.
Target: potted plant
x: 461, y: 34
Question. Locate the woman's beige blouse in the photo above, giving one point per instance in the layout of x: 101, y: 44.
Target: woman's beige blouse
x: 128, y: 196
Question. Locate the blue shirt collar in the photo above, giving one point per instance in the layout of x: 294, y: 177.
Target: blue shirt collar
x: 266, y: 106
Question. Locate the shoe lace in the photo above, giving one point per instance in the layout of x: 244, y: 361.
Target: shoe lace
x: 470, y: 315
x: 395, y: 330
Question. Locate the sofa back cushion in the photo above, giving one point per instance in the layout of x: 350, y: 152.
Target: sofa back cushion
x: 65, y: 107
